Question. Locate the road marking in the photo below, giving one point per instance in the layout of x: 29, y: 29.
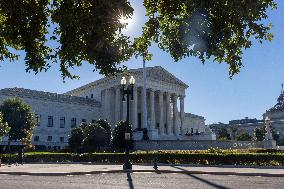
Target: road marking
x: 88, y: 174
x: 69, y: 175
x: 24, y: 175
x: 258, y: 176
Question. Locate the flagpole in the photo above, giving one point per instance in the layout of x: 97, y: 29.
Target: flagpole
x: 144, y: 95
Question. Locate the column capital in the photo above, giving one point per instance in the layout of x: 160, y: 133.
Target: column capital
x: 181, y: 97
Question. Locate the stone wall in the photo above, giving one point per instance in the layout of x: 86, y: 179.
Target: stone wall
x: 195, y: 145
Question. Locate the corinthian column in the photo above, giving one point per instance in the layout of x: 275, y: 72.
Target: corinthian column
x: 152, y: 108
x: 181, y: 114
x: 107, y: 105
x: 117, y: 104
x: 161, y: 115
x: 175, y: 115
x: 134, y: 108
x: 169, y: 119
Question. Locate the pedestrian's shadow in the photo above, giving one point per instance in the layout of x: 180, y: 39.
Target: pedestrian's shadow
x: 203, y: 180
x: 129, y: 179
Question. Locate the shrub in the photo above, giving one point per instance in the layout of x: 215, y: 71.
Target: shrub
x: 201, y: 157
x: 76, y: 139
x: 104, y: 124
x: 243, y: 137
x: 95, y: 137
x: 118, y: 138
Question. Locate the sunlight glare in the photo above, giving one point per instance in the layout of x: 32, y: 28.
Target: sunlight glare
x: 127, y: 21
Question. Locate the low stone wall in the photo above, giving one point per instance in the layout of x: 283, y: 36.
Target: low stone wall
x: 194, y: 145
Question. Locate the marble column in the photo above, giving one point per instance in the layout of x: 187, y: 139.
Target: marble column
x: 117, y: 104
x: 152, y: 109
x: 169, y: 119
x: 107, y: 102
x: 144, y: 114
x: 161, y: 115
x: 181, y: 98
x: 124, y: 108
x: 134, y: 108
x: 175, y: 115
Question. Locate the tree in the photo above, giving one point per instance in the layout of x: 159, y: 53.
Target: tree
x: 217, y: 30
x: 118, y: 137
x: 259, y: 134
x: 90, y: 137
x: 73, y: 32
x: 20, y: 118
x: 76, y: 139
x: 223, y: 134
x: 243, y: 137
x: 234, y: 130
x: 95, y: 137
x: 4, y: 128
x: 104, y: 124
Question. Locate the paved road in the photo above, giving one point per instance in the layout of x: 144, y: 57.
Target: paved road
x: 138, y: 180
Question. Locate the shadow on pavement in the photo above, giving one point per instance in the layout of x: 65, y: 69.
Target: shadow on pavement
x: 129, y: 179
x: 202, y: 180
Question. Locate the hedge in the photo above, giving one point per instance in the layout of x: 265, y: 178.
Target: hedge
x: 265, y: 159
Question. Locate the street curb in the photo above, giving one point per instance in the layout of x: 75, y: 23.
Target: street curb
x: 143, y: 171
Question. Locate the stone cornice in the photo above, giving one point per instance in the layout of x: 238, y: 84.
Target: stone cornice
x: 54, y: 97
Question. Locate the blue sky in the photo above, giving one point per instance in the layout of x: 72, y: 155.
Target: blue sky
x: 211, y: 93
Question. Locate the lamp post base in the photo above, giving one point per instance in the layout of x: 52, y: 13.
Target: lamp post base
x: 127, y: 166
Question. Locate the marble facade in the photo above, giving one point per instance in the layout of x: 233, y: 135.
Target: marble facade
x: 166, y: 118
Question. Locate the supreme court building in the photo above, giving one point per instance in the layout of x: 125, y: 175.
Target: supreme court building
x: 57, y: 114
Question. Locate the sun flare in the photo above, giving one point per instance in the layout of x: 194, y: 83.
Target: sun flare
x: 127, y: 21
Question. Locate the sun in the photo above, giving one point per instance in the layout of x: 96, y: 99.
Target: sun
x: 128, y: 21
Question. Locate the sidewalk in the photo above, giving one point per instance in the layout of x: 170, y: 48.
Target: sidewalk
x: 56, y: 169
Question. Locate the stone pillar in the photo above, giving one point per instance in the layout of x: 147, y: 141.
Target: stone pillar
x: 175, y: 115
x: 144, y: 114
x: 161, y: 115
x: 152, y: 109
x: 117, y: 104
x: 181, y: 114
x: 103, y: 112
x: 169, y: 119
x: 107, y: 105
x: 124, y: 108
x: 134, y: 108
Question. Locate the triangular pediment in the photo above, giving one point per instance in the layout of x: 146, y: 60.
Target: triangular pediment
x: 160, y: 74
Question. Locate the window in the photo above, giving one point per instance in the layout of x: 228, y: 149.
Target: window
x: 84, y: 121
x: 73, y: 122
x: 37, y: 118
x: 62, y: 122
x: 50, y: 121
x: 61, y: 139
x: 36, y: 138
x: 92, y: 95
x: 49, y: 138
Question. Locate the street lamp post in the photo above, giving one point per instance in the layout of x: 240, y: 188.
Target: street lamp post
x: 128, y: 91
